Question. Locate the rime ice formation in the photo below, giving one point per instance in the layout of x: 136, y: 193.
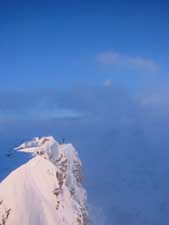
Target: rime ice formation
x: 47, y: 190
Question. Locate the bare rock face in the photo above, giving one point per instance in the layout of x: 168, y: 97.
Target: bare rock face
x: 47, y: 190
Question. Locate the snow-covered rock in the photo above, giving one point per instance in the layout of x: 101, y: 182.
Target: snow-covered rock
x: 47, y: 190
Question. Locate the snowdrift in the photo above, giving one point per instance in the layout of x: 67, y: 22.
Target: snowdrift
x: 47, y: 190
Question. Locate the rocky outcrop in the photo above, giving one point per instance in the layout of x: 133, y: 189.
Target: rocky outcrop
x: 47, y: 190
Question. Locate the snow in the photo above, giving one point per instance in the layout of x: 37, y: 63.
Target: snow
x: 47, y: 190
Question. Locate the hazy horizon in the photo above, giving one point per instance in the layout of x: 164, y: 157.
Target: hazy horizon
x: 96, y: 74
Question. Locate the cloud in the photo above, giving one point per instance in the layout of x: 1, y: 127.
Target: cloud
x: 107, y: 83
x: 41, y: 104
x: 123, y: 145
x: 137, y: 62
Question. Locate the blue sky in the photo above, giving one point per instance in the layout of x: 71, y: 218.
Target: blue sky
x: 95, y: 73
x: 44, y: 43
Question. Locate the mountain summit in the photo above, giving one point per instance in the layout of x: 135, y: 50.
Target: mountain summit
x: 47, y: 190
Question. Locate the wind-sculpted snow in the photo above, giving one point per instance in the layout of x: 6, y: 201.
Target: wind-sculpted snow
x: 47, y: 190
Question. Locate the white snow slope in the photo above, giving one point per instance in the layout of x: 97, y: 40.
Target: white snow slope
x: 47, y: 190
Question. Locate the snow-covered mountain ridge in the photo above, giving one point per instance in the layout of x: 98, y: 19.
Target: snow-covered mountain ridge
x: 47, y: 190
